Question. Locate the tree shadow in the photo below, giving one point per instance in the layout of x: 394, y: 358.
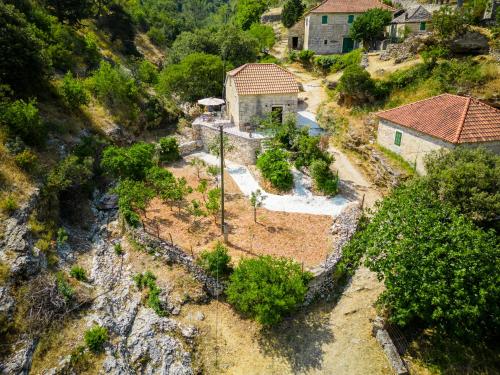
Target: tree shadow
x: 299, y: 339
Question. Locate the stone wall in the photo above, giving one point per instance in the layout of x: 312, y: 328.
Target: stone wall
x: 187, y: 148
x: 232, y: 102
x: 296, y: 31
x: 343, y: 229
x: 171, y: 253
x: 245, y: 148
x: 326, y: 38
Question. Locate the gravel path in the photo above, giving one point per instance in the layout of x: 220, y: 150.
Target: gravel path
x: 301, y: 201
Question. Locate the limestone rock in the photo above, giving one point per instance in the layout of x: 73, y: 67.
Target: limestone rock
x: 471, y: 43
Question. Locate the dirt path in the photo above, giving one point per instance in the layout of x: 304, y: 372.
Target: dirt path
x: 326, y: 339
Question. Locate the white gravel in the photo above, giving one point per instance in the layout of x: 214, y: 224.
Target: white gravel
x: 301, y: 201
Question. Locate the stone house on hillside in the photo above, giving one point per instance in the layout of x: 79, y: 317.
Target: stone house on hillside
x: 415, y: 20
x: 252, y: 90
x: 441, y: 122
x: 325, y: 28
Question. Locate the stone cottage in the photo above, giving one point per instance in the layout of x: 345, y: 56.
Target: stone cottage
x: 415, y: 20
x: 325, y: 28
x: 252, y: 90
x: 444, y: 121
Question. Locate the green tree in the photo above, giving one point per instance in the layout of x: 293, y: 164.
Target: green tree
x: 308, y: 150
x: 169, y: 149
x: 197, y: 76
x: 196, y: 41
x: 264, y: 35
x: 448, y: 23
x: 147, y: 72
x: 248, y: 12
x: 292, y: 11
x: 217, y: 261
x: 73, y: 92
x: 22, y: 119
x: 324, y: 179
x: 213, y: 203
x: 198, y: 164
x: 468, y: 179
x: 356, y: 86
x: 267, y: 289
x: 236, y: 47
x: 133, y: 196
x: 177, y: 193
x: 256, y: 200
x: 439, y: 269
x: 129, y: 162
x: 22, y: 61
x: 71, y: 11
x: 370, y: 26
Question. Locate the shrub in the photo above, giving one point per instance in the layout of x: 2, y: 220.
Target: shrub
x: 9, y: 204
x: 169, y: 149
x: 266, y: 288
x: 324, y: 178
x: 26, y: 160
x: 70, y: 173
x: 22, y: 119
x: 118, y: 249
x: 64, y: 288
x: 305, y: 57
x: 216, y: 262
x: 370, y: 26
x: 62, y: 236
x: 292, y: 55
x: 292, y: 11
x: 95, y: 338
x: 128, y: 162
x: 264, y: 34
x: 148, y: 280
x: 274, y: 167
x: 308, y: 150
x: 73, y: 92
x: 147, y: 72
x: 133, y: 196
x: 78, y: 273
x: 448, y: 23
x: 356, y: 86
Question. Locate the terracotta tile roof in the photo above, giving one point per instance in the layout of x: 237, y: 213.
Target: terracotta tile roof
x: 452, y: 118
x: 349, y: 6
x: 255, y: 79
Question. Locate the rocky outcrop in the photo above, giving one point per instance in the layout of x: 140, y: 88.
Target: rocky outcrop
x: 408, y: 48
x: 470, y: 43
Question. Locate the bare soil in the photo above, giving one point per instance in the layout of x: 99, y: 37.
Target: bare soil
x: 302, y: 237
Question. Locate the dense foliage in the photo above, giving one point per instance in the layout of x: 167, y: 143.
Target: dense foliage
x: 169, y: 149
x: 370, y: 26
x: 292, y: 11
x: 324, y: 179
x: 217, y: 261
x: 267, y: 289
x: 274, y: 166
x: 95, y: 338
x: 131, y: 162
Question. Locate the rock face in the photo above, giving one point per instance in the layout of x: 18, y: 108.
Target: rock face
x: 471, y: 43
x: 407, y: 49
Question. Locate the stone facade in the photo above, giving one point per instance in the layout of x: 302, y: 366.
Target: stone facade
x: 416, y: 145
x: 245, y: 148
x: 296, y: 35
x: 398, y: 30
x: 327, y: 38
x: 243, y: 109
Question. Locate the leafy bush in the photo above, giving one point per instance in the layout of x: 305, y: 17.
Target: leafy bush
x: 370, y: 26
x: 62, y: 236
x: 308, y: 150
x: 216, y: 262
x: 334, y: 63
x: 73, y: 92
x: 129, y: 162
x: 22, y: 119
x: 448, y: 23
x: 147, y: 72
x: 356, y: 86
x: 305, y: 57
x: 9, y: 204
x: 438, y: 268
x: 78, y: 273
x: 323, y: 177
x: 95, y: 338
x: 64, y: 288
x: 264, y: 34
x: 133, y: 196
x: 266, y: 288
x: 118, y: 249
x: 26, y: 160
x: 274, y: 167
x: 169, y: 149
x: 70, y: 173
x: 469, y: 179
x: 148, y: 280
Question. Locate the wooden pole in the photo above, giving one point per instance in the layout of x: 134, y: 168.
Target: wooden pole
x: 222, y: 223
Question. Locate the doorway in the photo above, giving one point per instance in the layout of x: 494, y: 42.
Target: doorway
x: 295, y: 42
x: 347, y: 45
x: 277, y: 113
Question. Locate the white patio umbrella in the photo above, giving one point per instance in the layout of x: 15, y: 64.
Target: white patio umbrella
x: 209, y: 102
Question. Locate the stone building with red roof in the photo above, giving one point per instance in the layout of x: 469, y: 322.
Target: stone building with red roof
x: 444, y: 121
x: 325, y: 28
x: 252, y: 90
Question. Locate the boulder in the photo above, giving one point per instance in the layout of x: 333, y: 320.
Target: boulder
x: 470, y: 43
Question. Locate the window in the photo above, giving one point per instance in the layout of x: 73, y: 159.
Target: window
x: 422, y: 26
x: 350, y: 18
x: 324, y: 20
x: 397, y: 138
x: 325, y: 42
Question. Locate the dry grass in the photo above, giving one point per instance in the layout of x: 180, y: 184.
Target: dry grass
x: 302, y: 237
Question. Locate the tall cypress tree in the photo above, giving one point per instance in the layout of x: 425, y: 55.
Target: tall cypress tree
x: 292, y: 11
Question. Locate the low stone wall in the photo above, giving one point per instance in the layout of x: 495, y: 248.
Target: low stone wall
x: 171, y: 253
x: 343, y: 229
x: 382, y: 335
x: 187, y: 148
x: 244, y: 148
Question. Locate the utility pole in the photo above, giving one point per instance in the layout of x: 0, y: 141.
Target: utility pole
x: 222, y: 223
